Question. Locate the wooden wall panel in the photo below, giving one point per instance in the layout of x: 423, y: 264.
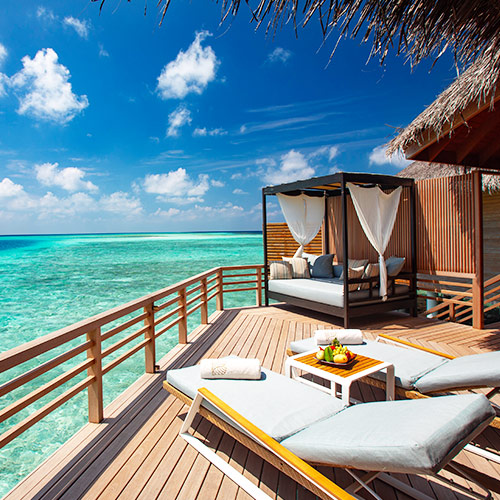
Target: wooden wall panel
x: 491, y: 234
x: 445, y: 224
x: 280, y: 242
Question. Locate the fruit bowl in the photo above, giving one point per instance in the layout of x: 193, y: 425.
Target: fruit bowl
x: 339, y: 365
x: 335, y: 355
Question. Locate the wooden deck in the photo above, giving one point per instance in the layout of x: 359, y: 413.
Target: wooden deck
x: 136, y: 454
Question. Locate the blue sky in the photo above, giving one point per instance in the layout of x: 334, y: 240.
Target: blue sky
x: 112, y: 123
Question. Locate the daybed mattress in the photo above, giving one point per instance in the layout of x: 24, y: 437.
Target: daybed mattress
x: 325, y: 291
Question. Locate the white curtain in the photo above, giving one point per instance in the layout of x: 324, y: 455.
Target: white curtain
x: 304, y: 216
x: 377, y: 213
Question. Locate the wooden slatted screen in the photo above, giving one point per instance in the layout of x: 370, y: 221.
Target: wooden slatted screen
x: 445, y: 224
x: 280, y: 242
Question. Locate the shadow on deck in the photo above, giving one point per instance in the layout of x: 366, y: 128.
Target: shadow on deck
x: 135, y: 452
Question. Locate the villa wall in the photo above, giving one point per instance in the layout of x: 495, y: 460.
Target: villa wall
x: 491, y: 234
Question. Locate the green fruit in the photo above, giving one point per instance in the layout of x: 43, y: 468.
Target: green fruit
x: 320, y: 355
x: 328, y: 354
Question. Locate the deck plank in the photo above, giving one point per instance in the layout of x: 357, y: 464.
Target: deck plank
x: 136, y: 453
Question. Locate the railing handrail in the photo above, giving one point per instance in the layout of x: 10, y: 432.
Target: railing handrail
x: 91, y: 327
x: 21, y: 353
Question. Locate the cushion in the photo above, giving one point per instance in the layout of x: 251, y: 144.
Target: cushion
x: 300, y: 267
x: 355, y: 263
x: 323, y: 290
x: 411, y: 436
x: 409, y: 364
x: 355, y: 272
x: 280, y: 270
x: 338, y: 269
x: 304, y: 345
x: 476, y: 370
x: 371, y: 271
x: 278, y: 405
x: 394, y: 265
x: 321, y: 266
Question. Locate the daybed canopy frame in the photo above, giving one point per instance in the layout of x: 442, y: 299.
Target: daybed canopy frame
x: 335, y: 185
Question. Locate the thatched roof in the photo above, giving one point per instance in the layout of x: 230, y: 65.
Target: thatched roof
x: 477, y: 86
x: 419, y: 170
x: 416, y: 28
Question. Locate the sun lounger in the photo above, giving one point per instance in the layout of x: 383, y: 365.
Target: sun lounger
x: 420, y: 371
x: 292, y: 425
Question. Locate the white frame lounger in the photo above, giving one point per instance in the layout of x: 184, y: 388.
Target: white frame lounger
x: 413, y: 394
x: 285, y: 460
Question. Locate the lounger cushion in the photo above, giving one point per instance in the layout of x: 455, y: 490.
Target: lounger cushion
x: 416, y: 436
x: 328, y: 291
x: 276, y: 404
x: 477, y: 370
x: 409, y: 364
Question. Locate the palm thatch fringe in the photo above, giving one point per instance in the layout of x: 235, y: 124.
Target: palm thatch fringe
x: 477, y: 84
x: 419, y: 170
x: 416, y: 28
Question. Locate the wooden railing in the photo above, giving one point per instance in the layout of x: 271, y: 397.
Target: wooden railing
x: 456, y: 297
x: 157, y: 313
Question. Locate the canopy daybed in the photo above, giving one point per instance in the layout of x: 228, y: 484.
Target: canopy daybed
x: 357, y: 223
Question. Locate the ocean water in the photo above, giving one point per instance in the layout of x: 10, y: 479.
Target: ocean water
x: 49, y: 282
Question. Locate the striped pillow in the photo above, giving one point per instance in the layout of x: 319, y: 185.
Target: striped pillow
x: 355, y: 272
x: 300, y: 267
x: 280, y: 270
x: 355, y: 263
x: 371, y: 271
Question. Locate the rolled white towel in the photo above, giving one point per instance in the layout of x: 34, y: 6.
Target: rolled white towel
x: 234, y: 368
x: 347, y: 337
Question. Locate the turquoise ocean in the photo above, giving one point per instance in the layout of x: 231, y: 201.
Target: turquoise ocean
x: 52, y: 281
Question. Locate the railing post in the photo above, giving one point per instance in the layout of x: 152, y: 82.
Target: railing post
x: 149, y: 334
x: 452, y: 311
x: 478, y: 280
x: 259, y: 286
x: 182, y: 314
x: 204, y: 303
x: 95, y: 399
x: 220, y: 290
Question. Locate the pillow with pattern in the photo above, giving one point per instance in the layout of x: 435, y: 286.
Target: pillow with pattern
x: 280, y: 270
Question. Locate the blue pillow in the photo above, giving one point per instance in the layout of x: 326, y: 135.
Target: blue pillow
x: 322, y: 266
x: 394, y: 265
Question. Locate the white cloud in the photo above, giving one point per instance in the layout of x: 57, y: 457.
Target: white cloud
x: 236, y: 176
x: 121, y: 203
x: 45, y: 14
x: 171, y: 212
x: 378, y: 157
x: 4, y: 80
x: 239, y: 191
x: 3, y: 54
x: 81, y: 27
x: 176, y: 186
x: 203, y: 132
x: 69, y: 178
x: 44, y: 89
x: 217, y: 184
x: 191, y: 71
x: 279, y: 54
x: 102, y: 51
x: 293, y: 166
x: 177, y: 119
x: 333, y: 152
x: 9, y: 189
